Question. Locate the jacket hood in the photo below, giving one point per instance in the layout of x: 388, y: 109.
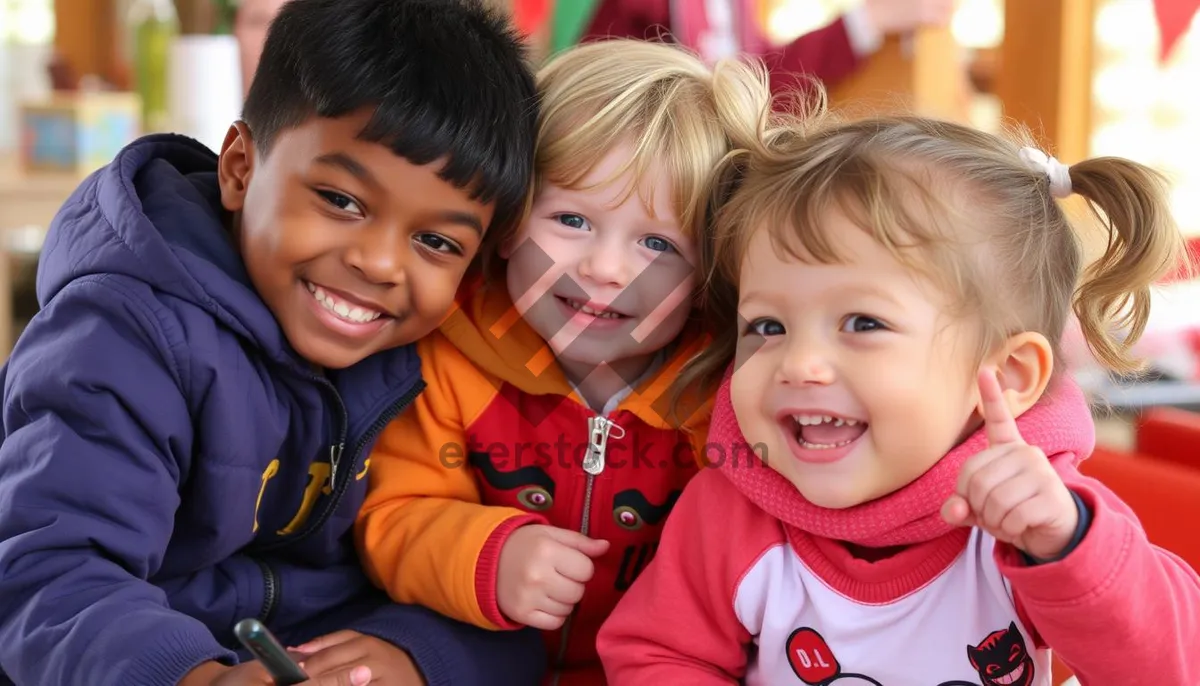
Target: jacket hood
x: 486, y: 327
x: 154, y: 214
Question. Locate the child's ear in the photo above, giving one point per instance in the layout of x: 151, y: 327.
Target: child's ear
x: 509, y: 245
x: 1025, y: 363
x: 505, y: 249
x: 235, y: 166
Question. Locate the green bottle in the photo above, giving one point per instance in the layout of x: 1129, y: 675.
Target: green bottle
x: 154, y: 25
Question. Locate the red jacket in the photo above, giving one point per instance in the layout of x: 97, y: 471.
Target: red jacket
x: 826, y: 53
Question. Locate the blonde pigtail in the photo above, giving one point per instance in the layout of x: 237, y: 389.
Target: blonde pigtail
x: 1112, y: 301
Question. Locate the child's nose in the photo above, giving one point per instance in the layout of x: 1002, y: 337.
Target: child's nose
x: 606, y: 263
x: 806, y: 363
x: 379, y: 256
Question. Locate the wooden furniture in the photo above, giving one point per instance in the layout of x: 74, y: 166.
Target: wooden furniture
x: 923, y: 73
x: 87, y: 36
x: 28, y: 202
x: 1044, y: 79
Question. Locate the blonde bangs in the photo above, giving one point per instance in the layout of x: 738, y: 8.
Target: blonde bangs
x: 658, y: 99
x: 792, y: 193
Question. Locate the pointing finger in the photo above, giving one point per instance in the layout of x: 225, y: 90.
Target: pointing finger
x: 998, y: 422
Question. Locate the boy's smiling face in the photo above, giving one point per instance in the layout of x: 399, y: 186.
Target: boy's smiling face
x: 354, y: 249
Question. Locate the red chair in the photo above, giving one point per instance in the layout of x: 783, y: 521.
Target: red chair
x: 1164, y: 494
x: 1171, y: 434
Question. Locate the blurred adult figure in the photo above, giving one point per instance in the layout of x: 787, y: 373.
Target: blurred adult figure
x: 721, y: 28
x: 250, y: 29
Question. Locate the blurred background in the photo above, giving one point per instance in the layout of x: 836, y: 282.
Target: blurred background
x: 81, y: 78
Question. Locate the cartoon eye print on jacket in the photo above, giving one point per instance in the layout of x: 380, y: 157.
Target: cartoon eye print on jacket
x: 632, y: 510
x: 535, y: 488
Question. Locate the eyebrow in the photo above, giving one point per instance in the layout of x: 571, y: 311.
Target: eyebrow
x: 347, y: 163
x: 466, y: 219
x: 359, y: 171
x: 747, y: 298
x: 870, y: 291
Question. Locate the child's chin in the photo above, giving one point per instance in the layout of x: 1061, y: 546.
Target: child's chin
x: 828, y: 498
x: 834, y: 503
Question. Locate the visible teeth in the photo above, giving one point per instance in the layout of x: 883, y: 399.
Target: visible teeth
x: 600, y: 314
x: 823, y: 446
x: 815, y: 419
x: 342, y: 309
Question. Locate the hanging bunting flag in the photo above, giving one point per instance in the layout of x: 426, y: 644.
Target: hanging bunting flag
x: 1174, y: 17
x: 571, y: 18
x: 530, y: 16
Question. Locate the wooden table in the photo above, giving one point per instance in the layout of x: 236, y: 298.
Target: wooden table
x: 28, y: 202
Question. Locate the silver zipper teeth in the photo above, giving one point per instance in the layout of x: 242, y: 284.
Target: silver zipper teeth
x: 599, y: 429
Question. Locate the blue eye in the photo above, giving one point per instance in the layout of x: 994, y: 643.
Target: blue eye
x: 573, y: 221
x: 657, y: 244
x: 766, y: 327
x: 861, y: 323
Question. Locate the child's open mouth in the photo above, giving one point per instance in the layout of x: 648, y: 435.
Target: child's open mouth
x: 826, y: 432
x: 592, y: 309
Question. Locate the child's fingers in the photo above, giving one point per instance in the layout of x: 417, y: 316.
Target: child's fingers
x: 957, y: 512
x: 995, y: 467
x: 350, y: 675
x: 563, y: 590
x: 327, y: 641
x: 998, y: 422
x: 574, y: 565
x: 335, y: 660
x: 975, y: 466
x: 573, y: 539
x: 1005, y: 498
x: 552, y: 606
x: 545, y: 621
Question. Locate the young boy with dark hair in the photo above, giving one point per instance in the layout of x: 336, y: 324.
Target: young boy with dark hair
x: 186, y: 422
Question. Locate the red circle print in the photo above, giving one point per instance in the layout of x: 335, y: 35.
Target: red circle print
x: 810, y: 657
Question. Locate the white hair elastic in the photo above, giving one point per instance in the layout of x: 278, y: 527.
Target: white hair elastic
x: 1058, y: 173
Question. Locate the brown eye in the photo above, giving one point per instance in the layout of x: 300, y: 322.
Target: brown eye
x: 535, y: 498
x: 628, y: 518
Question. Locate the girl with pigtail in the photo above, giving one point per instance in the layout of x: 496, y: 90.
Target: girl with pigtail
x: 895, y: 291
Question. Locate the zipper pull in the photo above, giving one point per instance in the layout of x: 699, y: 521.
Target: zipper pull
x: 335, y: 456
x: 599, y: 429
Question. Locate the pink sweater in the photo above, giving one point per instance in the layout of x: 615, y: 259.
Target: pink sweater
x: 738, y: 591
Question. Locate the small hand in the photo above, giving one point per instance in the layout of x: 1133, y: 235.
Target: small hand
x: 1010, y: 490
x: 252, y: 673
x: 902, y: 16
x: 542, y: 573
x: 364, y: 659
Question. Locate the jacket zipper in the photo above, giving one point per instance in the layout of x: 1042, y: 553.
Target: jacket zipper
x: 336, y: 455
x: 599, y: 430
x: 271, y: 592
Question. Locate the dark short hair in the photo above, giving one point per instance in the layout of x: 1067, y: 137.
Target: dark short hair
x: 445, y: 78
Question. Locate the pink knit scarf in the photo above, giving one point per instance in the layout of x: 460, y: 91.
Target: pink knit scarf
x: 1060, y: 424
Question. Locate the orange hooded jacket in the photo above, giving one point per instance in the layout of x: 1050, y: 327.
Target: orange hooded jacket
x: 499, y: 439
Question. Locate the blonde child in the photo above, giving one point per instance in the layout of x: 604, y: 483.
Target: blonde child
x: 911, y: 513
x: 529, y: 483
